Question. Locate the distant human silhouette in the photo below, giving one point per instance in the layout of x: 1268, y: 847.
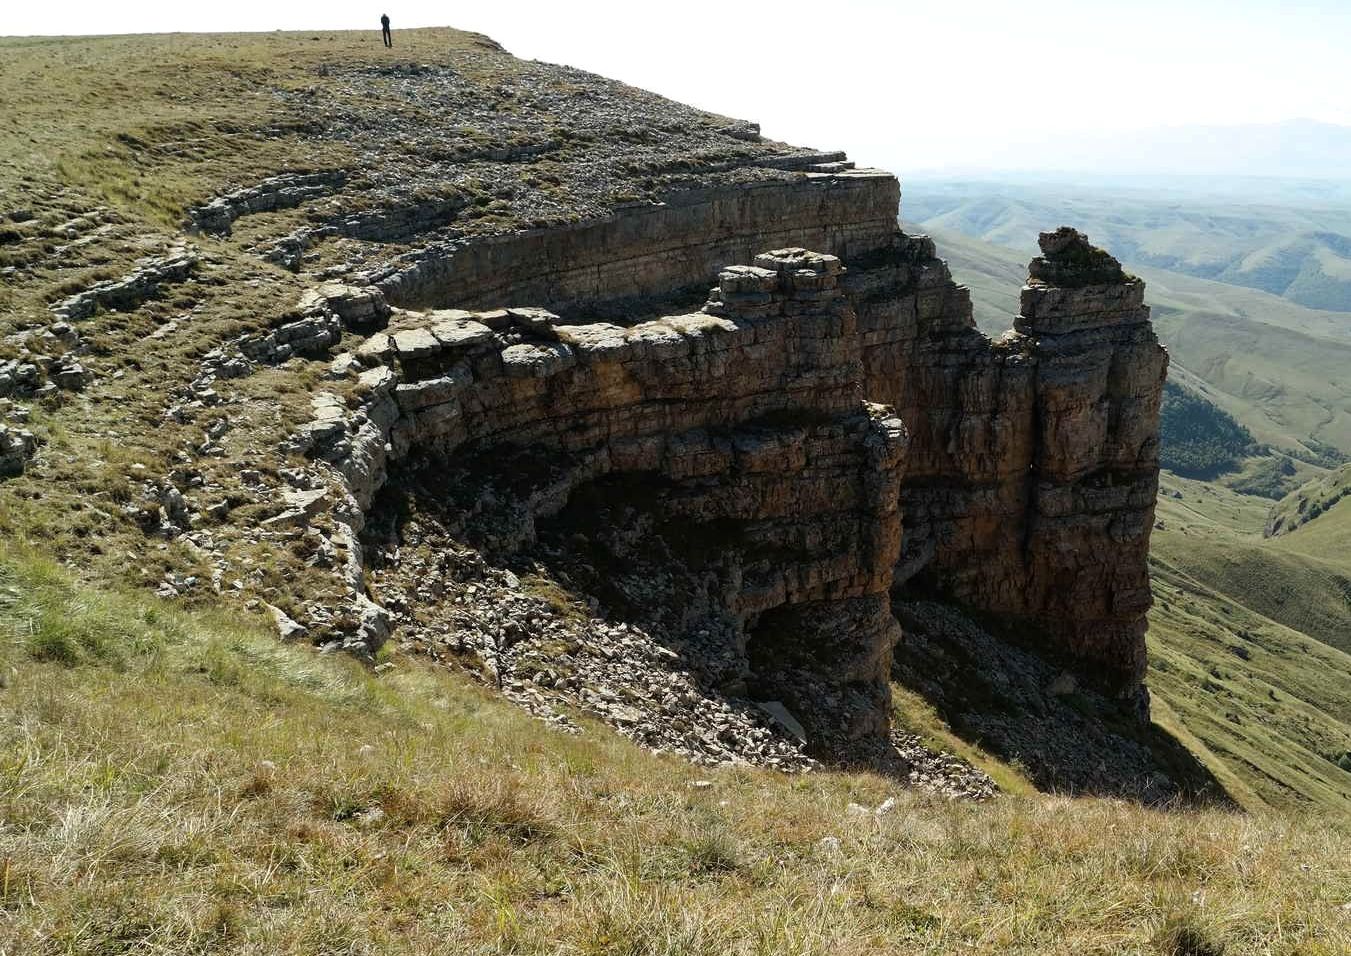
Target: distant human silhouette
x: 384, y: 29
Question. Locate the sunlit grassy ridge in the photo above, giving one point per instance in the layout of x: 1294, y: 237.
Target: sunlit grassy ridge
x: 174, y: 782
x: 1284, y: 243
x: 1248, y: 649
x: 1312, y: 502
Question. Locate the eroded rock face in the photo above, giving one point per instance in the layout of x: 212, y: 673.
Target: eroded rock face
x: 652, y: 249
x: 1034, y: 458
x: 733, y: 443
x: 712, y: 477
x: 733, y: 453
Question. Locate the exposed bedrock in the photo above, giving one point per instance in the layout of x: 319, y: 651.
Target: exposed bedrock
x: 1033, y: 465
x: 734, y: 443
x: 735, y: 452
x: 651, y: 249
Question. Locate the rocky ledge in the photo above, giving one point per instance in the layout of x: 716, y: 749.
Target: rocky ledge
x: 489, y: 407
x: 718, y: 485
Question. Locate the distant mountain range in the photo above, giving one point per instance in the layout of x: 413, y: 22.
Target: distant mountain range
x: 1293, y: 149
x: 1287, y: 242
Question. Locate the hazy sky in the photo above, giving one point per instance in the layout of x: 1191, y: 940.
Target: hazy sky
x: 904, y: 84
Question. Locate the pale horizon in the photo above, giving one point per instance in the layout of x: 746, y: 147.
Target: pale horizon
x: 971, y: 84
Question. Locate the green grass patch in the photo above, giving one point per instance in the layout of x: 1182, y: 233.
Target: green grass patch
x: 216, y: 791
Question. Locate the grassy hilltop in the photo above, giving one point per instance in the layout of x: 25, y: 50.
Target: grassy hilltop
x: 173, y: 779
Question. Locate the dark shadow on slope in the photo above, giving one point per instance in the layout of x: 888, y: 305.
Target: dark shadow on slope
x: 638, y: 599
x: 676, y: 579
x: 994, y: 691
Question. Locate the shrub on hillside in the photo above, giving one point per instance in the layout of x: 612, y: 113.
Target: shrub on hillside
x: 1272, y: 478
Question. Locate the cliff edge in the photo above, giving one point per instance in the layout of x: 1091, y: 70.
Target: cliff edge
x: 425, y: 349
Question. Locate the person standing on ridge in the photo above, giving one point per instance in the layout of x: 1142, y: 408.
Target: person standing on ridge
x: 384, y: 29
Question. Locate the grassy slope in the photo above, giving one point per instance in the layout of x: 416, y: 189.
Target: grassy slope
x: 179, y: 783
x: 1249, y: 649
x: 109, y: 139
x: 1313, y: 501
x: 1329, y: 533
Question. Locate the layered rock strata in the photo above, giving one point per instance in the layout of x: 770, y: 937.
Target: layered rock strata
x: 740, y: 436
x: 130, y: 290
x: 720, y: 461
x: 651, y: 249
x: 734, y: 440
x: 1034, y: 458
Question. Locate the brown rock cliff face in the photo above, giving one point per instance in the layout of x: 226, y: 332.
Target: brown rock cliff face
x: 1014, y: 476
x: 651, y: 250
x: 1033, y: 464
x: 740, y: 435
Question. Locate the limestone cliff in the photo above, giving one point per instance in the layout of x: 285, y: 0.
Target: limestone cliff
x: 435, y: 355
x: 1033, y: 465
x: 747, y: 437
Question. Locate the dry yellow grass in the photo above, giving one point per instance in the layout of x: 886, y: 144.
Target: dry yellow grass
x: 174, y: 783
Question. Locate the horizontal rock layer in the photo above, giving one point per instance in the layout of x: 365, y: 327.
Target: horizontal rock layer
x: 1033, y: 464
x: 652, y: 249
x: 743, y: 434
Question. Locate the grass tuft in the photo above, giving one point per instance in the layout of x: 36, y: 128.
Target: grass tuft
x: 1183, y: 934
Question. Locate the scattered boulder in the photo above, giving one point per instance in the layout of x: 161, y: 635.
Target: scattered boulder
x: 287, y: 629
x: 17, y: 445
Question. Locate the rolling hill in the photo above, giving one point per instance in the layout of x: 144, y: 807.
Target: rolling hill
x: 1298, y: 250
x: 1250, y: 647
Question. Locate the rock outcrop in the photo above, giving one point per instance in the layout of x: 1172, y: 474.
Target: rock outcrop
x: 17, y: 445
x: 493, y: 409
x: 733, y: 441
x: 1034, y: 458
x: 651, y: 250
x: 738, y: 443
x: 131, y: 289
